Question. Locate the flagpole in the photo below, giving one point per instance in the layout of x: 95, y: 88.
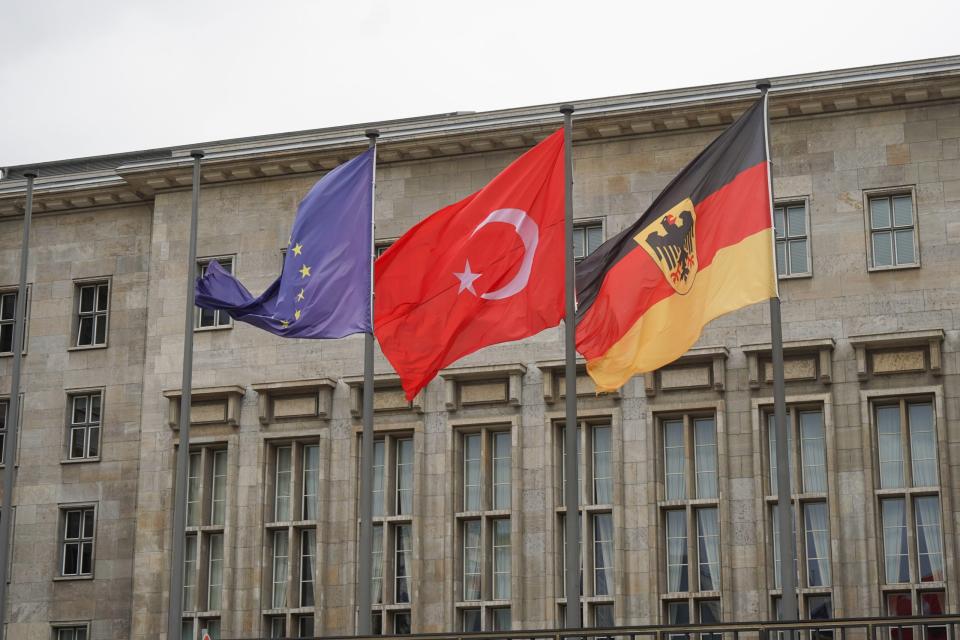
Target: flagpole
x: 175, y: 609
x: 788, y: 575
x: 365, y: 548
x: 571, y: 493
x: 13, y: 417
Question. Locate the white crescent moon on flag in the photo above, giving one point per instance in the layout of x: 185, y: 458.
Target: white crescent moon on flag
x: 529, y: 234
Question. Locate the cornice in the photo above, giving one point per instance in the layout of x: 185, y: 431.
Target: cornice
x: 655, y: 113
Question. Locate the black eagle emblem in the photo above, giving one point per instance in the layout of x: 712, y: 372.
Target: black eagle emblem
x: 675, y: 245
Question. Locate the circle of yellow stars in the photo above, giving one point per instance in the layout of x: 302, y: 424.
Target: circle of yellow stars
x: 297, y: 250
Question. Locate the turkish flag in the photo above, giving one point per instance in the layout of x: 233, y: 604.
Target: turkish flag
x: 485, y: 270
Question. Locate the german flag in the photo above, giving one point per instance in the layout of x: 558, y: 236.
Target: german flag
x: 703, y: 248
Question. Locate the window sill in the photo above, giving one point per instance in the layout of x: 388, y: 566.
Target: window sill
x: 221, y: 327
x: 473, y: 604
x: 87, y: 347
x: 796, y: 276
x: 894, y: 267
x: 9, y: 354
x: 72, y: 578
x: 79, y: 460
x: 204, y: 528
x: 215, y: 613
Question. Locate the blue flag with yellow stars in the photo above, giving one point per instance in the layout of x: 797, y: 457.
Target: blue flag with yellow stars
x: 324, y: 288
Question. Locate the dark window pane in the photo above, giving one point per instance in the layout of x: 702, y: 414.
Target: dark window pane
x: 8, y: 304
x: 88, y: 523
x: 86, y: 563
x: 819, y: 607
x: 207, y: 317
x: 931, y: 603
x: 73, y: 524
x: 102, y: 297
x: 471, y: 620
x: 86, y: 299
x: 94, y: 444
x: 6, y: 338
x: 401, y: 623
x: 603, y: 616
x: 101, y: 329
x: 79, y: 409
x: 85, y: 334
x: 76, y: 442
x: 223, y: 318
x: 95, y: 408
x: 71, y: 559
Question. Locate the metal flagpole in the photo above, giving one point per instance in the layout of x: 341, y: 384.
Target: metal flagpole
x: 365, y: 549
x: 175, y: 612
x: 13, y: 410
x: 788, y: 574
x: 571, y: 493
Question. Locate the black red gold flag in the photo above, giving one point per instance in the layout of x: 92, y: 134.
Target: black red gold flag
x: 703, y: 248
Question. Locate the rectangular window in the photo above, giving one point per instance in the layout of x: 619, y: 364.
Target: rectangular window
x: 282, y: 488
x: 193, y: 488
x: 471, y: 620
x: 190, y: 573
x: 501, y: 559
x: 691, y: 529
x: 402, y: 565
x: 207, y: 318
x: 595, y: 447
x: 215, y: 572
x: 378, y: 479
x: 305, y: 626
x: 677, y: 551
x: 84, y: 429
x: 471, y: 560
x: 502, y: 619
x: 377, y: 562
x: 73, y: 632
x: 92, y: 314
x: 404, y: 477
x: 792, y: 239
x: 77, y: 542
x: 218, y: 506
x: 401, y: 623
x: 602, y: 473
x: 471, y: 472
x: 807, y: 425
x: 8, y: 310
x: 310, y: 481
x: 603, y: 554
x: 280, y: 559
x: 277, y: 626
x: 502, y: 470
x: 892, y: 230
x: 4, y: 409
x: 816, y: 527
x: 907, y: 461
x: 587, y: 236
x: 393, y: 495
x: 308, y: 544
x: 708, y: 545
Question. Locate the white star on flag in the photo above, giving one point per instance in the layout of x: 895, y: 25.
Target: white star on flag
x: 466, y: 279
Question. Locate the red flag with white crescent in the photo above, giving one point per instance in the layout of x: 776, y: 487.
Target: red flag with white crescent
x: 485, y: 270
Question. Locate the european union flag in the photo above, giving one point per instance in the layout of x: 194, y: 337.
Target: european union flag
x: 324, y: 288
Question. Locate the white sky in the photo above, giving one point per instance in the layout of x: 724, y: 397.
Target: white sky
x: 90, y: 77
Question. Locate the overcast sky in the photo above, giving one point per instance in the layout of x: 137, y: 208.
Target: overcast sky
x: 90, y: 77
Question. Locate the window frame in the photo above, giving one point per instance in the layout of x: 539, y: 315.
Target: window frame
x: 64, y: 509
x: 891, y: 192
x: 784, y: 204
x: 77, y: 315
x: 587, y: 223
x: 70, y: 426
x: 13, y: 289
x: 197, y: 311
x: 588, y: 509
x: 70, y: 625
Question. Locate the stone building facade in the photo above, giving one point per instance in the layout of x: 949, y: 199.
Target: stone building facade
x: 676, y: 490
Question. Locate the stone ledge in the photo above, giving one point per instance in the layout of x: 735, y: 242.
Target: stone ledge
x: 388, y: 395
x: 274, y: 395
x: 899, y: 352
x: 682, y: 373
x: 218, y: 405
x: 818, y: 365
x: 510, y: 376
x: 554, y: 381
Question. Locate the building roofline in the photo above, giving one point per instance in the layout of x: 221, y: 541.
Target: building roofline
x: 456, y: 122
